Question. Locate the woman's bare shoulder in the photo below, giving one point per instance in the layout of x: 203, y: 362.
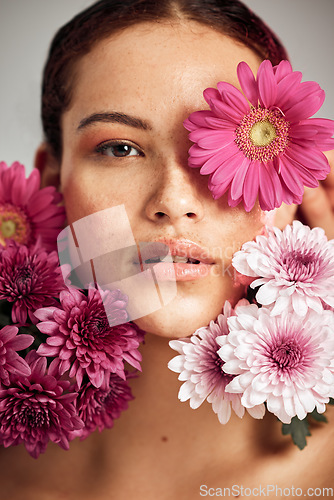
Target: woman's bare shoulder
x: 55, y: 475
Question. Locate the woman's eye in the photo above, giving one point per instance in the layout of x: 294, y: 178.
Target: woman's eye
x: 118, y: 150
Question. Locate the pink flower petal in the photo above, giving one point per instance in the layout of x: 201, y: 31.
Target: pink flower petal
x: 283, y: 69
x: 45, y: 313
x: 215, y: 140
x: 269, y: 188
x: 288, y: 85
x: 266, y: 84
x: 45, y: 350
x: 220, y: 158
x: 7, y: 333
x: 303, y: 130
x: 32, y: 185
x: 225, y: 111
x: 248, y: 83
x: 219, y: 123
x: 48, y: 327
x: 292, y: 181
x: 233, y: 97
x: 196, y: 119
x: 226, y: 170
x: 55, y: 340
x: 237, y: 185
x: 310, y: 158
x: 209, y: 94
x: 308, y: 104
x: 20, y: 342
x: 251, y: 186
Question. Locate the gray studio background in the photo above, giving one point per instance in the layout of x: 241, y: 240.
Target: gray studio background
x: 27, y: 26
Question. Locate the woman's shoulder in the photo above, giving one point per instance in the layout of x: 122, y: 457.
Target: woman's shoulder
x: 55, y: 475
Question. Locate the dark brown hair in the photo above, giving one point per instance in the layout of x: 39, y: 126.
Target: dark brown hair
x: 106, y: 17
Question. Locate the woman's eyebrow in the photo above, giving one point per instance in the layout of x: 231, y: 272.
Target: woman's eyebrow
x: 114, y: 117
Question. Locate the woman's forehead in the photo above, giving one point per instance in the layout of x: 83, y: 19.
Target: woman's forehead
x: 155, y: 64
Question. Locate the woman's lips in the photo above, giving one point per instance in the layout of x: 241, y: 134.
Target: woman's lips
x: 169, y: 271
x: 168, y: 258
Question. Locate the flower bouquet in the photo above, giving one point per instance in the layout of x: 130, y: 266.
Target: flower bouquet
x: 275, y: 350
x: 62, y: 350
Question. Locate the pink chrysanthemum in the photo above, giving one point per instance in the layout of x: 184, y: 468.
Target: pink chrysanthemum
x: 29, y: 277
x: 82, y: 338
x: 26, y: 211
x: 286, y: 361
x: 99, y: 408
x: 36, y: 409
x: 200, y: 368
x: 11, y: 364
x: 262, y: 143
x: 294, y: 267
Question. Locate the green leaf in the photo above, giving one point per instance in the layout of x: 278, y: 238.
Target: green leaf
x: 319, y: 417
x: 298, y: 429
x: 331, y: 401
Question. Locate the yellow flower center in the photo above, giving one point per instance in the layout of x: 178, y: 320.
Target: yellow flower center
x: 14, y: 225
x: 8, y: 228
x: 262, y: 133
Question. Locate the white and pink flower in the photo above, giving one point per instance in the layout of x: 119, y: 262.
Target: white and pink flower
x: 286, y: 362
x: 294, y: 268
x: 200, y: 367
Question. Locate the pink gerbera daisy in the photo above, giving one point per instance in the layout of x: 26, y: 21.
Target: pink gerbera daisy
x: 37, y: 409
x: 26, y: 210
x: 262, y: 143
x: 286, y: 361
x: 294, y: 268
x: 11, y: 364
x: 83, y: 339
x: 29, y: 277
x: 200, y: 368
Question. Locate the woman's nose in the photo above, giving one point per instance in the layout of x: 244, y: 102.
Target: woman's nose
x: 175, y: 196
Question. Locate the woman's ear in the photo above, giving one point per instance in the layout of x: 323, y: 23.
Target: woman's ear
x: 48, y: 166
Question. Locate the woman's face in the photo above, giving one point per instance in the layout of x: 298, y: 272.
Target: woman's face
x: 143, y: 83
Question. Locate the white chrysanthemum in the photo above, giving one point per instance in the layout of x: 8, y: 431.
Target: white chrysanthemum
x: 286, y: 361
x: 200, y: 368
x: 294, y: 267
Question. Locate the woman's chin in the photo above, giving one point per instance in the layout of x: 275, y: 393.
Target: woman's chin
x: 181, y: 317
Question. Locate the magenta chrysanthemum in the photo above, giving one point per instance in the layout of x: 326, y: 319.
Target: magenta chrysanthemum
x: 200, y: 368
x: 36, y: 409
x: 286, y: 361
x: 11, y: 364
x: 82, y: 338
x: 294, y: 268
x: 99, y: 408
x: 26, y: 211
x: 262, y: 142
x: 29, y: 277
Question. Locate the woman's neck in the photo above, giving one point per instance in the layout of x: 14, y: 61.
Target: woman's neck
x: 158, y: 433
